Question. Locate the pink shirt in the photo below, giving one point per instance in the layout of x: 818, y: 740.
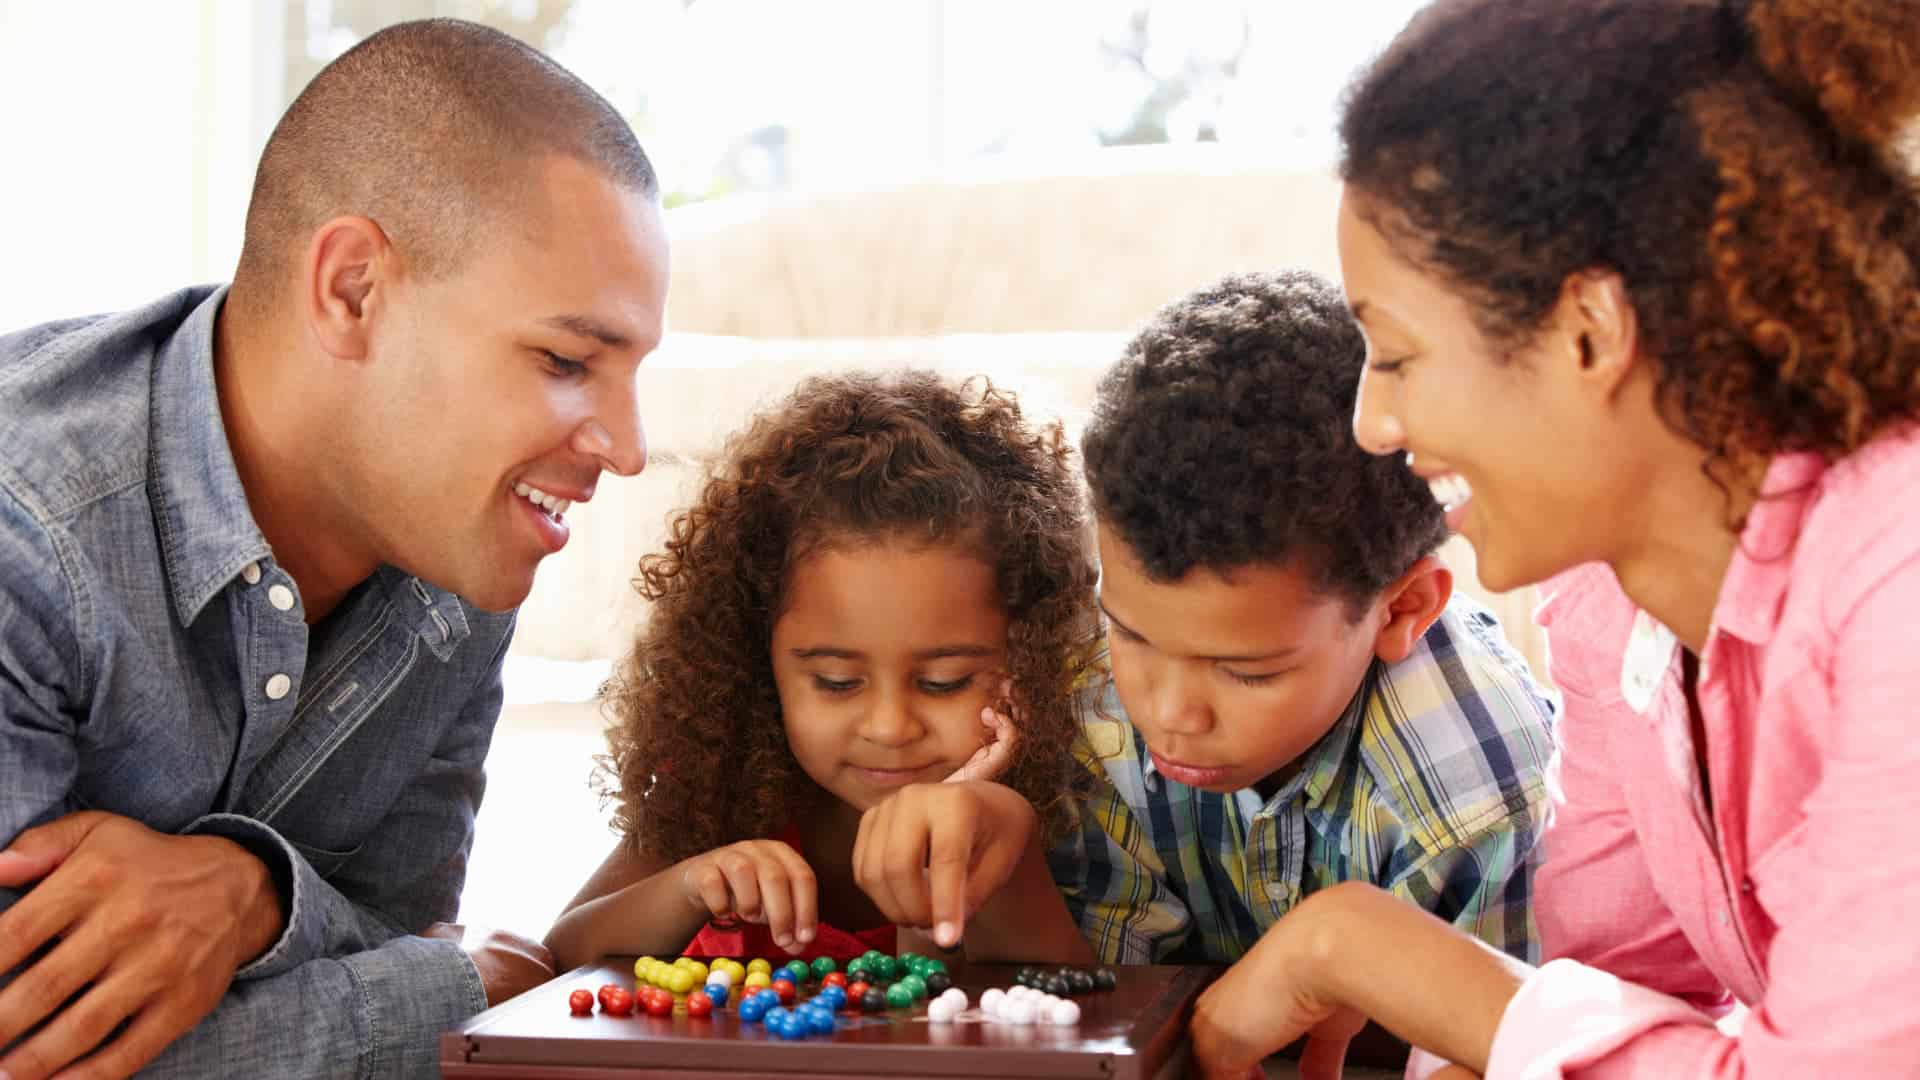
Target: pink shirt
x: 1798, y: 893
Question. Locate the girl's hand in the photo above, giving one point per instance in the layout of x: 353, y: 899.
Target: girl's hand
x: 1001, y: 737
x: 761, y: 881
x: 931, y: 854
x: 1261, y: 1005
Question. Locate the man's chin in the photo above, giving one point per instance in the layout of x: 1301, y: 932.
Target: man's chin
x: 499, y: 599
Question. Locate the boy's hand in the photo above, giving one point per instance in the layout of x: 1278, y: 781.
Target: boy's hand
x: 931, y: 854
x: 1259, y: 1006
x: 761, y: 881
x: 988, y: 762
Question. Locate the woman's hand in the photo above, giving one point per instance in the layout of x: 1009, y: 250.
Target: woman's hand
x: 1261, y: 1005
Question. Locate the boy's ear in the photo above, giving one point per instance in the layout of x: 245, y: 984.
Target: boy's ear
x: 1410, y: 605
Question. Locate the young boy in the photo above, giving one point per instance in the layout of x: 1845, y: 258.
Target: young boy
x: 1297, y: 697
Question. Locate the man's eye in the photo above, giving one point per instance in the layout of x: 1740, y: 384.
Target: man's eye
x: 563, y: 367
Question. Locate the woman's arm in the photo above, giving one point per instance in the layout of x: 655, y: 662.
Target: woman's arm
x: 1348, y: 952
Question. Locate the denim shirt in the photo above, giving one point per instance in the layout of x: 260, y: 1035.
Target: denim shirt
x: 155, y: 663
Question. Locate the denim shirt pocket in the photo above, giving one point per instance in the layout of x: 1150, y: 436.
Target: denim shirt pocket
x: 323, y: 861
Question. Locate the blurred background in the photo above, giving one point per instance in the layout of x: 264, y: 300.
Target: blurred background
x: 132, y: 127
x: 1005, y: 187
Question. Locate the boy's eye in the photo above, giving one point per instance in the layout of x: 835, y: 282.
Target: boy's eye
x: 1389, y: 367
x: 563, y: 367
x: 835, y: 686
x: 936, y: 687
x: 1253, y: 680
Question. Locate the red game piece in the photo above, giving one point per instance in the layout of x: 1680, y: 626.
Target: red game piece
x: 618, y: 1003
x: 660, y: 1005
x: 835, y: 978
x: 856, y: 990
x: 581, y: 1002
x: 784, y: 987
x: 604, y: 991
x: 699, y: 1004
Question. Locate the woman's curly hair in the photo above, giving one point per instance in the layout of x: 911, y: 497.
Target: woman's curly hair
x: 1732, y: 160
x: 698, y: 755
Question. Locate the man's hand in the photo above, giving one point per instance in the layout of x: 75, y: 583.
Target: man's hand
x: 931, y: 854
x: 509, y: 964
x: 150, y: 928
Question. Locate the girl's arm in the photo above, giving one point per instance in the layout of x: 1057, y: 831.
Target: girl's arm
x: 634, y: 904
x: 631, y: 904
x: 1025, y: 922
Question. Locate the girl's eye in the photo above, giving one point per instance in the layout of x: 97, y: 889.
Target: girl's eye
x: 937, y: 688
x: 835, y: 686
x: 563, y: 367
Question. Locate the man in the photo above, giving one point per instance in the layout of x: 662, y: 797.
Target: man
x: 1298, y: 699
x: 259, y: 550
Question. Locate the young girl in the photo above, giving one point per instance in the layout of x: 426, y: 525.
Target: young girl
x: 841, y: 624
x: 1640, y: 281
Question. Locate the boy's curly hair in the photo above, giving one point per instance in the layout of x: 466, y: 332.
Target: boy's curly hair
x: 1223, y: 438
x: 1733, y: 160
x: 697, y: 752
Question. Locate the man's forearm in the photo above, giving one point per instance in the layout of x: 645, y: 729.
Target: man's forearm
x: 377, y: 1013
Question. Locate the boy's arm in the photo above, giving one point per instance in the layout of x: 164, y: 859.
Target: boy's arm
x: 1483, y: 885
x: 1107, y: 871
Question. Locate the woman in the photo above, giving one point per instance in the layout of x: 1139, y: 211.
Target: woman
x: 1638, y: 279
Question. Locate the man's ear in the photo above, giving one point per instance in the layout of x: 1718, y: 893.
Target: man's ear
x: 341, y: 283
x: 1410, y: 605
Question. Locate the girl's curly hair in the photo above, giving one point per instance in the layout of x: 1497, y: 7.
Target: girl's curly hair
x: 1732, y: 160
x: 847, y: 457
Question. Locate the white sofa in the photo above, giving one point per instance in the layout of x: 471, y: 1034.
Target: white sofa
x: 1035, y: 283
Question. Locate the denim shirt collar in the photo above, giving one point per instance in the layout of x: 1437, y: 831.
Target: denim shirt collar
x: 207, y: 531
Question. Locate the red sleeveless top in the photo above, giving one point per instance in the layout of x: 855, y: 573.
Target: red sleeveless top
x: 747, y: 940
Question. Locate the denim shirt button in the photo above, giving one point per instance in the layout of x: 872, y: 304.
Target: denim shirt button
x: 250, y: 573
x: 280, y: 597
x: 278, y: 686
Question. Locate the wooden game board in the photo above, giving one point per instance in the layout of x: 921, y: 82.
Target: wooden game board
x: 1130, y: 1033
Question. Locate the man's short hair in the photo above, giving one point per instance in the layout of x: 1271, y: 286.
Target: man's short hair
x: 433, y: 129
x: 1223, y: 439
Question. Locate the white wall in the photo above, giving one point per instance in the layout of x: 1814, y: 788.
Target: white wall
x: 129, y: 132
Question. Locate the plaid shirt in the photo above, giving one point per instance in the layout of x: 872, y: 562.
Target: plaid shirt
x: 1432, y: 785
